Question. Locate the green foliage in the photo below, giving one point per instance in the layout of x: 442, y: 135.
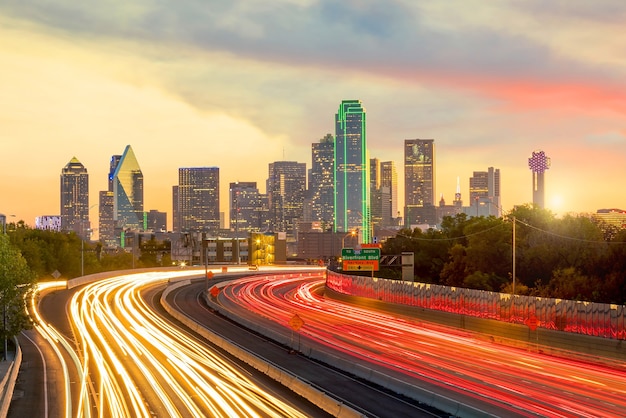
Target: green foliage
x: 570, y: 257
x: 16, y: 282
x: 455, y: 270
x: 47, y: 251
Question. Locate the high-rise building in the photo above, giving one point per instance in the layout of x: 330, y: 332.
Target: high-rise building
x: 246, y: 207
x: 321, y: 181
x: 380, y: 197
x: 538, y: 163
x: 75, y: 198
x: 352, y: 177
x: 419, y: 182
x: 484, y: 190
x: 175, y: 211
x: 286, y: 188
x: 106, y: 225
x: 198, y: 199
x: 389, y: 179
x: 127, y: 187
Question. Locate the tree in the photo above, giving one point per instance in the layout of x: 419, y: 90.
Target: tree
x: 455, y: 270
x: 16, y: 282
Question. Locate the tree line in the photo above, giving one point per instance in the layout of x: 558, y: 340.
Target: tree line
x: 575, y: 256
x: 47, y: 252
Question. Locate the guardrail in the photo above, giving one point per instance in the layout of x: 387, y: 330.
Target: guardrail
x: 572, y: 316
x: 7, y: 384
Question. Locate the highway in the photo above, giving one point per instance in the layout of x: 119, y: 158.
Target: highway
x: 119, y: 358
x: 117, y: 353
x: 502, y: 380
x: 364, y: 398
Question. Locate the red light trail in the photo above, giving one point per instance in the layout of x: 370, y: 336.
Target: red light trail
x: 520, y: 382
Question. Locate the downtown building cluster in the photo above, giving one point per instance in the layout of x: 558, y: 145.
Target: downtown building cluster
x: 350, y: 199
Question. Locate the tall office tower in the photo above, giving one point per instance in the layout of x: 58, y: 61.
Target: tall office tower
x: 352, y: 177
x: 245, y: 204
x: 286, y: 188
x: 538, y: 163
x: 115, y: 160
x: 199, y: 199
x: 321, y: 181
x: 419, y: 182
x: 75, y: 199
x: 264, y: 212
x: 380, y: 196
x: 374, y: 173
x: 175, y: 210
x: 484, y: 189
x: 127, y: 188
x: 389, y: 179
x: 106, y: 225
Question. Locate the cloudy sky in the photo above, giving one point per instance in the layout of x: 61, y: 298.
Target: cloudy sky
x: 239, y: 84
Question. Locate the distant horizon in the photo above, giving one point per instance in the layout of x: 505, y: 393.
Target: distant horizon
x: 224, y: 201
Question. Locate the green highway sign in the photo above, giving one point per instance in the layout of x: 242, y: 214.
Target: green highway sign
x: 362, y: 254
x: 360, y: 259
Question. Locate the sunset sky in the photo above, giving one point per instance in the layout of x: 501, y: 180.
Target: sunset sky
x: 239, y: 84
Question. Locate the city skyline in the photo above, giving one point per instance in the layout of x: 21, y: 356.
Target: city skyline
x: 242, y: 87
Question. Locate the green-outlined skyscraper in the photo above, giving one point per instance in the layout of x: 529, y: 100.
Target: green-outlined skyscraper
x: 352, y: 180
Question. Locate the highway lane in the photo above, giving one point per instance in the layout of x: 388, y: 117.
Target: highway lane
x: 371, y: 400
x: 130, y: 362
x: 513, y: 381
x: 46, y: 375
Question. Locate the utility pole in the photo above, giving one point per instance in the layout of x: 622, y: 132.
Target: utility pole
x: 514, y: 255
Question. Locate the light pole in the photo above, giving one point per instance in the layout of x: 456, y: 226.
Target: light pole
x: 352, y: 233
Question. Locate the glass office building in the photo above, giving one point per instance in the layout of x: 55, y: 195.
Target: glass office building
x: 127, y: 183
x: 352, y: 180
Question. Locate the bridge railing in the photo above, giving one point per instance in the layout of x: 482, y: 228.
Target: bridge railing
x: 595, y: 319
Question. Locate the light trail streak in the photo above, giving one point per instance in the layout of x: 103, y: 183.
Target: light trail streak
x: 521, y: 382
x: 142, y: 366
x: 53, y: 337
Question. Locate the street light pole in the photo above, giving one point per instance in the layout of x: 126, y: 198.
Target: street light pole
x: 343, y: 240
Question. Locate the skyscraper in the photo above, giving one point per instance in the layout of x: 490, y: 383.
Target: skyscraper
x: 126, y: 180
x: 106, y: 225
x: 352, y: 177
x: 484, y: 190
x: 380, y: 196
x: 286, y: 187
x: 389, y: 179
x: 75, y: 198
x: 321, y: 187
x: 419, y: 182
x: 198, y: 199
x: 245, y: 207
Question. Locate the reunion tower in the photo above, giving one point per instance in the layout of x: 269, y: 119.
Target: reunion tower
x: 538, y: 164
